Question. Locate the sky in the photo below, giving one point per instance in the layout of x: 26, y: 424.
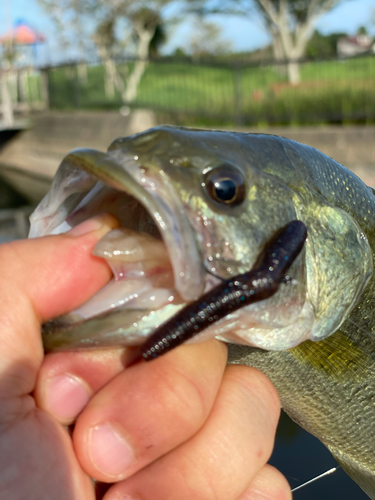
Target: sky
x: 244, y: 34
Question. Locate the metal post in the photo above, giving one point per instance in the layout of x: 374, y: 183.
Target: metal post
x: 44, y: 87
x: 76, y: 87
x: 8, y: 117
x: 237, y: 94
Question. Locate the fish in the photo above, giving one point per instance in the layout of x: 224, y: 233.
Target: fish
x: 197, y: 207
x: 258, y: 284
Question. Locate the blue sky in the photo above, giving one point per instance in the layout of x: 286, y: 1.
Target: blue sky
x: 244, y: 34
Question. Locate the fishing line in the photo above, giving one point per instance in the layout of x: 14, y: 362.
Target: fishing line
x: 330, y: 471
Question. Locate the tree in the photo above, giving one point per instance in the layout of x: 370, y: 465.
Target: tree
x: 144, y: 20
x: 206, y: 40
x: 104, y: 39
x: 293, y: 23
x: 159, y: 39
x: 323, y: 46
x: 68, y: 17
x: 105, y: 18
x: 289, y: 22
x: 362, y: 30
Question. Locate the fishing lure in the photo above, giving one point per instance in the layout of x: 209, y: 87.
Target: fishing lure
x: 258, y: 284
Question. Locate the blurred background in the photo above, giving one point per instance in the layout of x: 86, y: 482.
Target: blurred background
x: 79, y: 73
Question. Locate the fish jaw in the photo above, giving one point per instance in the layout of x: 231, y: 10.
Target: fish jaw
x: 79, y: 174
x: 82, y: 175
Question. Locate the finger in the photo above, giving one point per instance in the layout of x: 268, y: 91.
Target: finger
x: 43, y: 278
x: 67, y: 380
x: 268, y: 484
x: 148, y: 410
x: 222, y: 458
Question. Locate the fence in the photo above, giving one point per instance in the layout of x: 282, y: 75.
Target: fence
x: 21, y: 91
x: 330, y: 91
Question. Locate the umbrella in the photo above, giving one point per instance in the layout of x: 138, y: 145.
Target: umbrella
x: 22, y: 34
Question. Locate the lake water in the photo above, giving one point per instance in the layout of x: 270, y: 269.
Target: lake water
x: 14, y: 223
x: 300, y: 457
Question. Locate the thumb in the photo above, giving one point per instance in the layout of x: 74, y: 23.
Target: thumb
x: 41, y: 279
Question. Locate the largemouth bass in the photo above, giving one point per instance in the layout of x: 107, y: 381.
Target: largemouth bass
x: 197, y: 207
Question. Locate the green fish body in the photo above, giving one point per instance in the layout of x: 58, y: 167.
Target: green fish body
x: 216, y: 198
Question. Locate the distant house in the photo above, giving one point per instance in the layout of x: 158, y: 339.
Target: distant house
x: 349, y: 46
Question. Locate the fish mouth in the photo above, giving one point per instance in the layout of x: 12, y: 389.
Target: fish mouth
x: 132, y: 306
x: 89, y: 182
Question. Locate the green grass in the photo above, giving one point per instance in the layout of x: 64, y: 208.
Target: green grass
x: 329, y: 92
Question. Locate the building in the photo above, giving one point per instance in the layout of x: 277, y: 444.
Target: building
x: 349, y: 46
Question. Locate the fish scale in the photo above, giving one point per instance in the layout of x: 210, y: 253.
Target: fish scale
x: 336, y: 404
x: 333, y: 403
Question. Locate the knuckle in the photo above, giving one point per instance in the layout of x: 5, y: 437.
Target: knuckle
x: 184, y: 397
x: 269, y: 483
x: 8, y: 256
x: 200, y: 484
x: 257, y: 385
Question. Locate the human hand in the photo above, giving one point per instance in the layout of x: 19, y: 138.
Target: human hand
x: 184, y: 426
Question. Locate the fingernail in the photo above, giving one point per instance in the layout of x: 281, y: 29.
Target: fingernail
x: 67, y: 395
x: 110, y: 452
x: 103, y: 222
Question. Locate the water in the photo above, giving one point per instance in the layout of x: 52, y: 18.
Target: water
x: 14, y: 223
x: 300, y: 457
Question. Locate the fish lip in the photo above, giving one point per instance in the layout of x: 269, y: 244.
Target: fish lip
x: 119, y: 170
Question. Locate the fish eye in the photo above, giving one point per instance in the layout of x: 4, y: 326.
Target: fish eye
x: 225, y: 185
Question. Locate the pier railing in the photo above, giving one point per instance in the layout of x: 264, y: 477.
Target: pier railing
x: 22, y: 90
x: 210, y: 92
x: 221, y: 92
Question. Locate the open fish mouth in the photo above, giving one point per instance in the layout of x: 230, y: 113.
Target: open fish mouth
x: 155, y: 257
x: 148, y: 274
x: 90, y: 182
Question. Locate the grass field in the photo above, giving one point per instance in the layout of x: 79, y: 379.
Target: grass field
x: 329, y: 92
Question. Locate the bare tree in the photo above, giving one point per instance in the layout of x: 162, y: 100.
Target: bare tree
x: 143, y: 18
x: 104, y: 39
x: 68, y: 17
x: 77, y: 25
x: 140, y: 17
x: 85, y: 23
x: 144, y: 22
x: 290, y: 23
